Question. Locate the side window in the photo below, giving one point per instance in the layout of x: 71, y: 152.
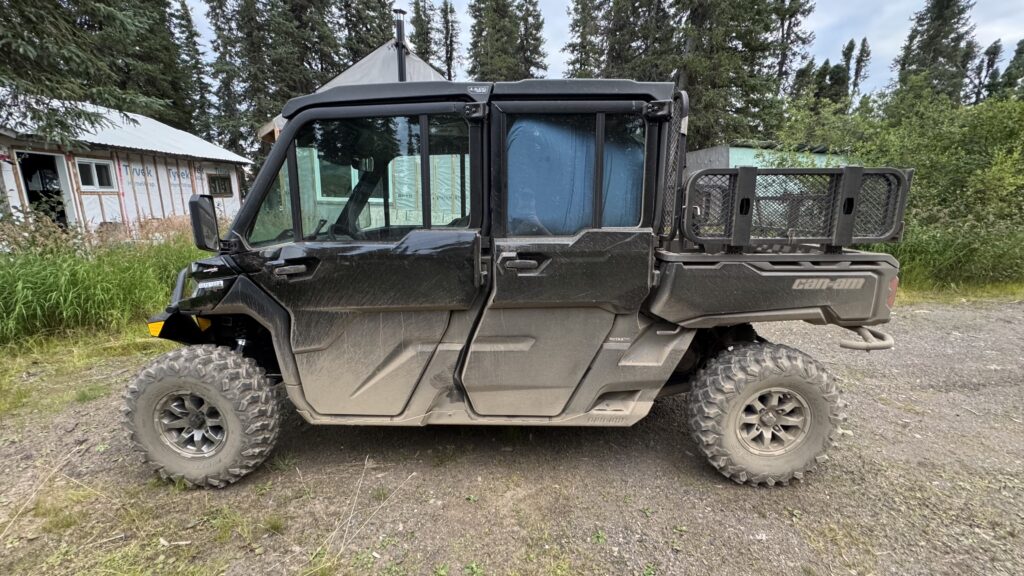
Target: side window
x: 623, y: 183
x: 273, y: 222
x: 363, y: 178
x: 552, y: 172
x: 449, y: 171
x: 550, y: 163
x: 370, y: 163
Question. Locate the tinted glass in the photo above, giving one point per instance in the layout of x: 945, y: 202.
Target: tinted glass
x: 623, y: 179
x: 449, y: 171
x: 273, y: 222
x: 550, y: 163
x: 372, y: 163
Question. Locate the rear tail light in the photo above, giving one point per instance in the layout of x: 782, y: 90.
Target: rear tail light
x: 894, y: 285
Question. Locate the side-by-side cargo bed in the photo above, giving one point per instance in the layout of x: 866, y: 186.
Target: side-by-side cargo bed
x: 699, y: 290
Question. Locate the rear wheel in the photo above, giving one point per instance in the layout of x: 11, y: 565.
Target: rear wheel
x: 202, y: 415
x: 764, y: 413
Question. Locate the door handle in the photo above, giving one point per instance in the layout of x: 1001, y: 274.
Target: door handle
x: 290, y: 270
x: 522, y: 264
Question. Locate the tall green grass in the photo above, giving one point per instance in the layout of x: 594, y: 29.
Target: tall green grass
x: 957, y: 257
x: 55, y: 282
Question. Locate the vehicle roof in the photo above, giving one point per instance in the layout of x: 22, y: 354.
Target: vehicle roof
x: 560, y: 89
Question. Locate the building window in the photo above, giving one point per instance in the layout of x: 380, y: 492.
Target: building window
x: 219, y: 186
x: 96, y: 175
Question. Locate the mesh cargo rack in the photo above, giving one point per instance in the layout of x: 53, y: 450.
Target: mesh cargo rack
x: 834, y: 207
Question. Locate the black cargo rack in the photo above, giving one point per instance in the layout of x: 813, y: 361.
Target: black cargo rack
x: 834, y: 207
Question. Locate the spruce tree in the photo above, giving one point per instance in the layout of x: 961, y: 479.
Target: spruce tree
x: 368, y: 25
x: 198, y: 104
x: 319, y: 33
x: 838, y: 83
x: 847, y: 54
x: 1012, y: 80
x: 55, y: 60
x: 152, y: 65
x: 729, y: 67
x: 449, y: 50
x: 820, y: 82
x: 940, y: 47
x: 530, y: 43
x: 227, y: 122
x: 586, y: 43
x: 288, y: 72
x: 983, y: 79
x: 423, y: 27
x: 640, y: 40
x: 860, y: 66
x: 492, y: 40
x: 254, y: 71
x: 792, y: 39
x: 803, y: 80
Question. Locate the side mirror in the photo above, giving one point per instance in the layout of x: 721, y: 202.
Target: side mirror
x: 204, y: 222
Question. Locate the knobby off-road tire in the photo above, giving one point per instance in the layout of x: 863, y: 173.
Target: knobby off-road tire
x: 743, y: 434
x: 203, y: 415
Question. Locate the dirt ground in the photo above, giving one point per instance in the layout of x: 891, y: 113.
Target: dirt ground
x: 927, y: 478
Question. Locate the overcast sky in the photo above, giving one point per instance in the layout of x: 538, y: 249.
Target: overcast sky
x: 884, y: 22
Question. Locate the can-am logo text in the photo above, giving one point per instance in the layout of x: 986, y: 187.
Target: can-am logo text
x: 825, y: 283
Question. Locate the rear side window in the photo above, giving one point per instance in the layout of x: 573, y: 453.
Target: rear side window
x: 550, y: 162
x: 623, y: 182
x: 553, y: 187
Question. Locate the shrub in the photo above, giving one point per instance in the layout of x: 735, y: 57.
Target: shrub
x: 967, y: 198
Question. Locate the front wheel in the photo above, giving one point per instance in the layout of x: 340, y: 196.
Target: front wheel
x: 764, y: 413
x: 202, y: 415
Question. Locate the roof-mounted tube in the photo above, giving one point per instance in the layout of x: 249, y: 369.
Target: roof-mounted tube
x: 400, y: 41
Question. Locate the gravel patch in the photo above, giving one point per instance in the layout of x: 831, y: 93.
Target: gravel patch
x: 927, y: 478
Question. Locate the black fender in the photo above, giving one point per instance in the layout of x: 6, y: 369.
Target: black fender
x: 247, y: 299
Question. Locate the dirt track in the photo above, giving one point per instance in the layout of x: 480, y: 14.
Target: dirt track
x: 928, y: 479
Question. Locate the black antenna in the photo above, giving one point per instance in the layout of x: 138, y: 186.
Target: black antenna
x: 400, y: 41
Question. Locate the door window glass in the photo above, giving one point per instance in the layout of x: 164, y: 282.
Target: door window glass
x: 363, y: 178
x: 623, y: 173
x: 273, y: 222
x: 449, y: 171
x: 550, y: 162
x: 358, y: 175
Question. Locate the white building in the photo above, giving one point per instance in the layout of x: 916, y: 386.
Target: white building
x: 118, y: 175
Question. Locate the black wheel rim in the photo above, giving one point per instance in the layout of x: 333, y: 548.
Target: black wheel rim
x: 190, y: 425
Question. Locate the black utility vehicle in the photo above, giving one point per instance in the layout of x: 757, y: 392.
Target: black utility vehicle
x: 522, y: 253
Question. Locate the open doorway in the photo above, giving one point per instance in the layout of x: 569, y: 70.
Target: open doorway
x: 44, y: 184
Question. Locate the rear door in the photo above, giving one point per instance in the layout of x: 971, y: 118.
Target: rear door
x: 572, y: 249
x: 370, y: 237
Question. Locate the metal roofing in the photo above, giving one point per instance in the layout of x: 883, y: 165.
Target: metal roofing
x: 142, y: 133
x: 152, y: 136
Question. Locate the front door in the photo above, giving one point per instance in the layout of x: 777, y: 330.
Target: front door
x: 369, y: 237
x: 572, y: 251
